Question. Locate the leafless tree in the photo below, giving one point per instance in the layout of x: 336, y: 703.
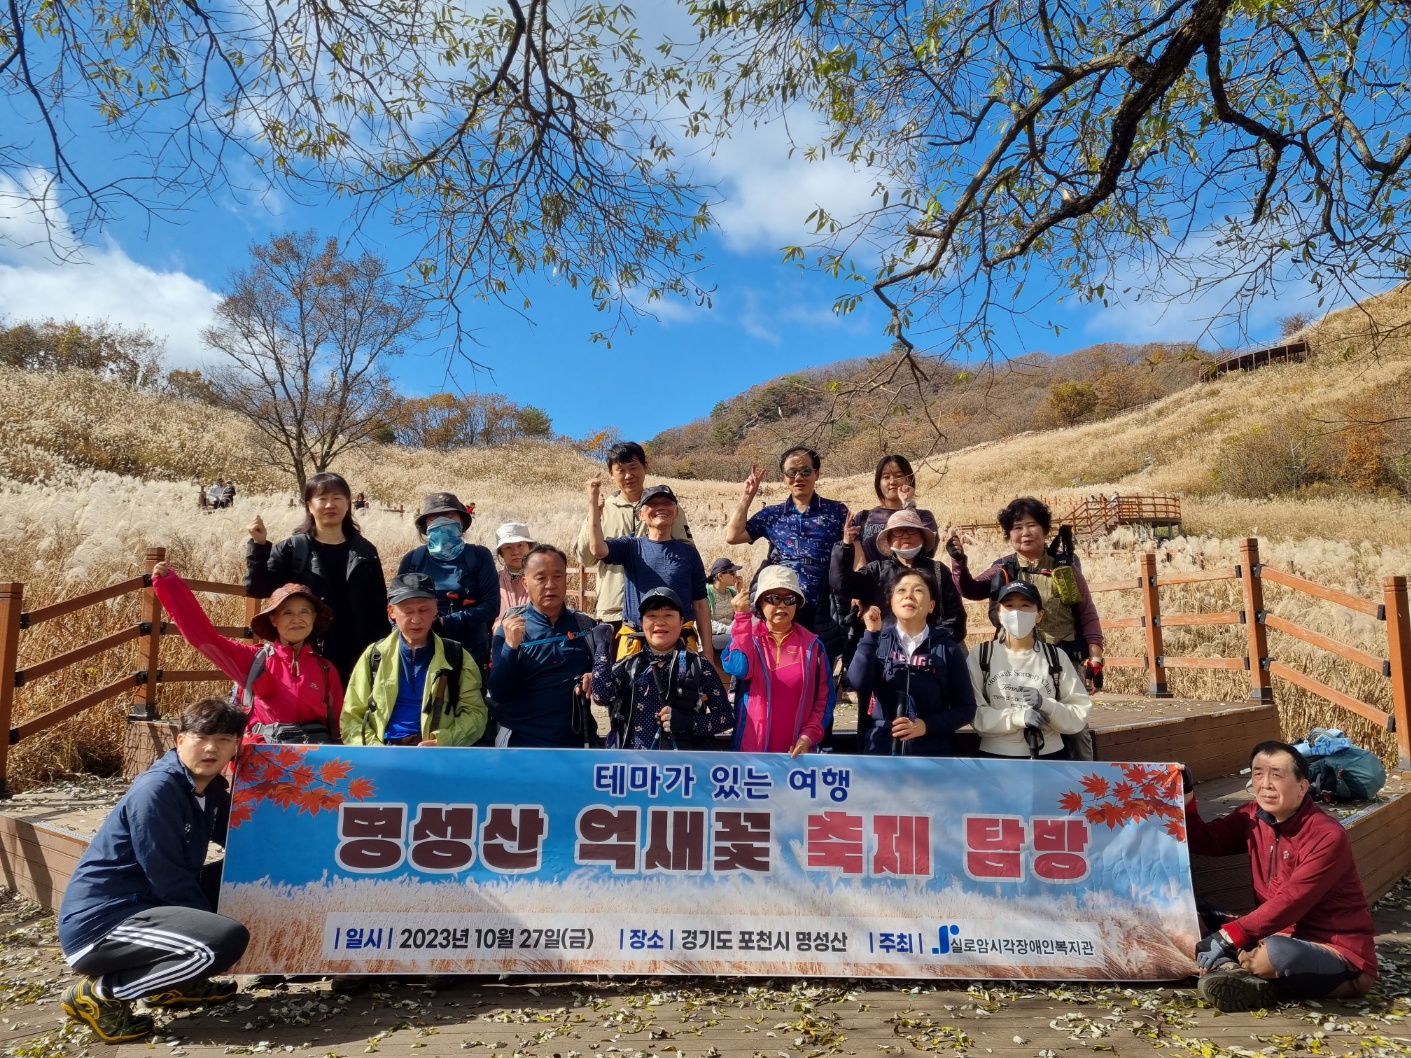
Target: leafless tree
x: 307, y: 333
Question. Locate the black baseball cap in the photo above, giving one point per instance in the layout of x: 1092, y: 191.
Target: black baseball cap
x: 659, y: 597
x: 721, y: 565
x: 651, y: 493
x: 411, y: 586
x: 1020, y: 587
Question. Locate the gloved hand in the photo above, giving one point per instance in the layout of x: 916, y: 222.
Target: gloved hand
x: 1187, y: 783
x: 1033, y: 720
x: 1032, y: 698
x: 1214, y: 948
x: 602, y: 640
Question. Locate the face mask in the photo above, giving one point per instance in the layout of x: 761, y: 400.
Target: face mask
x: 445, y: 542
x: 907, y: 552
x: 1018, y: 623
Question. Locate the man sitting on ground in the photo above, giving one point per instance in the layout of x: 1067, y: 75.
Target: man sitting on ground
x: 414, y: 688
x: 1311, y: 934
x: 138, y: 917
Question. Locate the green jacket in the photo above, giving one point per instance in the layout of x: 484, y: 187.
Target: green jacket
x: 367, y: 705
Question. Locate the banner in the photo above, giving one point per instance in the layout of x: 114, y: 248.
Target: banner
x: 347, y: 859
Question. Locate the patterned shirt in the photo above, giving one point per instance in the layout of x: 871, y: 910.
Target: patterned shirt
x: 645, y: 697
x: 802, y: 540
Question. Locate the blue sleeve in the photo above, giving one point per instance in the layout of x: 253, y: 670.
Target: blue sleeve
x: 503, y: 670
x: 487, y: 596
x: 735, y: 663
x: 621, y: 550
x: 698, y: 576
x: 155, y: 822
x: 862, y: 670
x: 758, y: 525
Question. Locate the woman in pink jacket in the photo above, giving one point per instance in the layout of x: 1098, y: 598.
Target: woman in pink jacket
x: 295, y: 695
x: 784, y: 705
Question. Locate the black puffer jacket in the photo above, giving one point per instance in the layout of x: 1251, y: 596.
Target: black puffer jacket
x: 362, y: 622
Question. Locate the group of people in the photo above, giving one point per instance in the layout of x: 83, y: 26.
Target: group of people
x: 467, y: 647
x: 219, y: 494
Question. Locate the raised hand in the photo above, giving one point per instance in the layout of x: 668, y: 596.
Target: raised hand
x: 906, y: 492
x: 872, y: 619
x: 594, y: 489
x: 513, y: 629
x: 850, y: 530
x: 256, y: 529
x: 740, y: 601
x: 161, y: 569
x: 753, y: 480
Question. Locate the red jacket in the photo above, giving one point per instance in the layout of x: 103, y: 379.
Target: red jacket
x: 1305, y: 878
x: 287, y: 692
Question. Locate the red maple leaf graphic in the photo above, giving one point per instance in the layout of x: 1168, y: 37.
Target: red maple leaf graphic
x: 361, y: 788
x: 1123, y: 791
x: 1095, y: 784
x: 1145, y: 792
x: 1071, y: 802
x: 283, y: 777
x: 333, y: 770
x: 1176, y: 828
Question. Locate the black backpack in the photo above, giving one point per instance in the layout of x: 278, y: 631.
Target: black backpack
x: 986, y: 651
x: 685, y: 695
x: 450, y: 701
x: 244, y: 694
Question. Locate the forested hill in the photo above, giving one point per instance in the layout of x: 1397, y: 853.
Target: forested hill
x: 850, y: 422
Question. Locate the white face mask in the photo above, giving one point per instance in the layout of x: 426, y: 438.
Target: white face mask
x: 907, y: 552
x: 1018, y: 623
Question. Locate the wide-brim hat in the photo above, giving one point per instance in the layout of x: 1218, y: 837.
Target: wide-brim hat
x: 263, y: 627
x: 906, y: 518
x: 442, y: 503
x: 512, y: 533
x: 776, y: 578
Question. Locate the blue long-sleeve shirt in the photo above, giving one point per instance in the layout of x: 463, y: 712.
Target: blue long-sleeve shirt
x: 469, y: 605
x: 935, y: 677
x: 532, y: 684
x: 148, y: 853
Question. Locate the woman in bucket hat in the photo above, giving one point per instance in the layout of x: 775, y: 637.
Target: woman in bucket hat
x: 467, y: 586
x: 329, y: 555
x: 512, y: 543
x: 785, y: 691
x: 291, y: 692
x: 906, y: 543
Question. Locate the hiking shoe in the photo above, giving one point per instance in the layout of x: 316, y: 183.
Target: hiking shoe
x: 1235, y: 990
x: 111, y: 1020
x: 194, y: 995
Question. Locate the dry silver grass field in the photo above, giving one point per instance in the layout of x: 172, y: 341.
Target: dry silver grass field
x: 66, y: 528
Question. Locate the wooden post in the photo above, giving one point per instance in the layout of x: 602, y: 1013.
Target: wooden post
x: 149, y: 647
x: 1151, y: 619
x: 1261, y: 686
x: 11, y: 605
x: 1398, y: 615
x: 571, y: 594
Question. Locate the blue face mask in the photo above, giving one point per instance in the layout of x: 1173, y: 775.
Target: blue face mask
x: 445, y: 542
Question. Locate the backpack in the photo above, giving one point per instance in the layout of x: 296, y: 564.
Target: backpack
x: 986, y: 651
x: 246, y: 693
x: 455, y: 657
x: 684, y: 694
x: 1350, y: 774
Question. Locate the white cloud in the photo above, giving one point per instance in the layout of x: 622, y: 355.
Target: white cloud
x: 45, y: 272
x: 767, y: 192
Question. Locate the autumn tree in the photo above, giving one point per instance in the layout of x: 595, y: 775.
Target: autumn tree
x: 450, y: 420
x: 306, y: 334
x: 132, y: 356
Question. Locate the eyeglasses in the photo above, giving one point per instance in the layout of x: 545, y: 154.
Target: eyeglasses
x: 779, y: 598
x: 798, y: 472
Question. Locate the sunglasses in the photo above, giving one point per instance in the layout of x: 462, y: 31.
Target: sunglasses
x: 780, y: 598
x: 799, y: 472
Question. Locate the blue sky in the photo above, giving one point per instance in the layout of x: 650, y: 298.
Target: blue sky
x: 768, y: 317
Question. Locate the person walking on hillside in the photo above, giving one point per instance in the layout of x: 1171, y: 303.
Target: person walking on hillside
x: 801, y: 532
x: 904, y: 544
x: 329, y: 555
x: 1028, y: 695
x: 289, y: 691
x: 512, y: 542
x: 621, y: 516
x: 785, y: 688
x: 467, y: 585
x: 657, y: 560
x: 910, y: 675
x: 1070, y: 620
x: 540, y: 676
x: 138, y: 918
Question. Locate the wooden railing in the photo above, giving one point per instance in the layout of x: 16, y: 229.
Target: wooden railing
x: 1254, y: 616
x: 143, y: 682
x: 1099, y: 515
x: 1258, y: 620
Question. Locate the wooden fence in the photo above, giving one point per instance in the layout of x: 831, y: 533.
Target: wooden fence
x: 148, y: 676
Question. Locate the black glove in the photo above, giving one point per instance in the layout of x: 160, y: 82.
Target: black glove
x: 1214, y: 948
x: 602, y: 640
x: 1187, y: 783
x: 953, y: 550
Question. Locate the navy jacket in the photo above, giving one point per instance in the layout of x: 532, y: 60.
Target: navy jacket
x: 468, y: 614
x: 533, y: 685
x: 872, y: 586
x: 940, y: 689
x: 148, y: 853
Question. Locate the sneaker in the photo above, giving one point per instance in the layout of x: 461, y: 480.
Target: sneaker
x: 112, y: 1020
x: 1235, y: 990
x: 194, y: 995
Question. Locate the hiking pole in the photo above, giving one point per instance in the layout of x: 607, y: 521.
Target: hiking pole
x: 1035, y: 737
